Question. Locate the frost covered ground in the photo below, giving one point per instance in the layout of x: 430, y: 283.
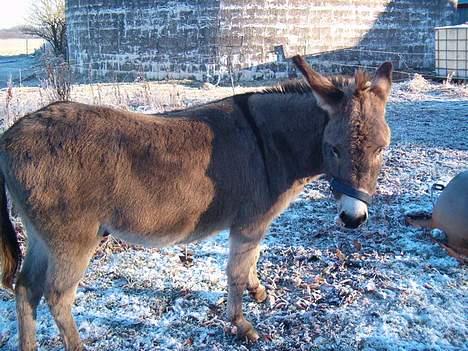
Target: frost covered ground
x: 385, y: 286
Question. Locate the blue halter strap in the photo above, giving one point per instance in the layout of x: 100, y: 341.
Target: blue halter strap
x: 345, y: 188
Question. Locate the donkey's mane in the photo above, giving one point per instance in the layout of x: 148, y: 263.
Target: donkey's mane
x: 295, y: 86
x: 348, y: 84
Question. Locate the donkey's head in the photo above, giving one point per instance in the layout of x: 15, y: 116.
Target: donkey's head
x: 355, y: 136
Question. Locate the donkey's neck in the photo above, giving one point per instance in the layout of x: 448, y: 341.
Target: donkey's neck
x: 289, y: 128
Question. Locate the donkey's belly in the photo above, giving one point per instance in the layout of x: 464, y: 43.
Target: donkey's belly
x: 164, y: 238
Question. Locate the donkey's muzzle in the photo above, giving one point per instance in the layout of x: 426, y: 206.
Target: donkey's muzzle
x: 352, y: 222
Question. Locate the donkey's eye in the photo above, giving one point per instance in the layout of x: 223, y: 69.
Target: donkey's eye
x: 379, y: 151
x: 335, y: 151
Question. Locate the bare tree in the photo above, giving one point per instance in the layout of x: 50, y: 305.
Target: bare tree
x: 47, y: 21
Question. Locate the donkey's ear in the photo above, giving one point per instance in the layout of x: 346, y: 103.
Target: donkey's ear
x: 382, y: 82
x: 327, y: 95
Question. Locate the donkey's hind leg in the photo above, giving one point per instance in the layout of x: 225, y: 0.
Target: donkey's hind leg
x: 243, y: 253
x: 67, y: 264
x: 29, y: 290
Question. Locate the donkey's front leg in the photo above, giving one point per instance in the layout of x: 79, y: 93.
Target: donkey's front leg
x: 243, y: 254
x: 256, y: 290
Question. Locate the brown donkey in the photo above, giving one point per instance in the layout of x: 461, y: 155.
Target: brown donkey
x: 76, y: 172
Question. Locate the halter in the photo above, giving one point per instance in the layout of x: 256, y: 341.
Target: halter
x: 347, y: 189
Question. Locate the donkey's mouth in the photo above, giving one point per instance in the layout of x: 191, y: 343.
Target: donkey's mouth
x: 350, y: 223
x: 352, y: 213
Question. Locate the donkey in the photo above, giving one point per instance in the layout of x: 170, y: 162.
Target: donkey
x: 77, y: 172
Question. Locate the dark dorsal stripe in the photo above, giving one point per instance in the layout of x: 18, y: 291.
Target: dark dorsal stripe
x: 242, y: 101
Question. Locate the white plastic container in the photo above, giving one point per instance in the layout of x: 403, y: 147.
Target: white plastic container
x: 451, y: 51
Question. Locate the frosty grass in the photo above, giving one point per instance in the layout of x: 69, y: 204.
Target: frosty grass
x: 383, y: 287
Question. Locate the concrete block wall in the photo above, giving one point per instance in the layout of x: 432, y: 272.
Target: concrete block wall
x: 124, y: 39
x: 206, y: 39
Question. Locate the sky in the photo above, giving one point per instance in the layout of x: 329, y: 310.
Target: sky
x: 14, y: 12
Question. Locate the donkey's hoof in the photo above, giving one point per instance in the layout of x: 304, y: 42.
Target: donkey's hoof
x: 252, y: 335
x: 259, y: 294
x: 245, y: 331
x: 79, y: 347
x: 249, y: 335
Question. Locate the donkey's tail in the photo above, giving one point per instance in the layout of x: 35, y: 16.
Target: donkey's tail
x: 10, y: 253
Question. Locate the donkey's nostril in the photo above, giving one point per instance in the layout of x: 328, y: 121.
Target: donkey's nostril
x: 351, y: 221
x: 344, y: 217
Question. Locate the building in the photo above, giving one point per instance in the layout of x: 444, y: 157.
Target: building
x: 244, y: 39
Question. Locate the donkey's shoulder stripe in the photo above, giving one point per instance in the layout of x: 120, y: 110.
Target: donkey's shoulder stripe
x: 242, y: 101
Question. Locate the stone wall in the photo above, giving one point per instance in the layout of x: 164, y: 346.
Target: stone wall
x: 245, y: 39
